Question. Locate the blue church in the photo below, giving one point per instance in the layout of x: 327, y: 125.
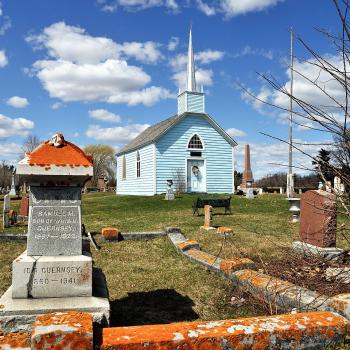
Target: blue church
x: 189, y: 148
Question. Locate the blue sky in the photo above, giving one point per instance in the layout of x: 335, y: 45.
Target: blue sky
x: 101, y: 71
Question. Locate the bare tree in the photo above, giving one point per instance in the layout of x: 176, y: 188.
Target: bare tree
x: 104, y: 162
x: 30, y: 143
x: 5, y: 174
x: 179, y: 180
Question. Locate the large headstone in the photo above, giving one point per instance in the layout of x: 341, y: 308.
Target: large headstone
x: 24, y: 206
x: 318, y: 218
x: 247, y: 180
x: 54, y: 226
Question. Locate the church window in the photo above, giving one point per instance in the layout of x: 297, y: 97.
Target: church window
x: 124, y: 168
x: 138, y: 164
x: 195, y: 142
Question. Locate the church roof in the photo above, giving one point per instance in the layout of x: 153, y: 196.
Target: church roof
x: 154, y: 132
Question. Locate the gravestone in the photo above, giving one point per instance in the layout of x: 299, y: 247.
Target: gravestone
x: 24, y: 206
x: 101, y: 184
x: 6, y: 211
x: 13, y: 186
x: 318, y: 218
x: 55, y: 266
x: 249, y: 193
x: 169, y: 196
x: 208, y: 218
x: 318, y: 224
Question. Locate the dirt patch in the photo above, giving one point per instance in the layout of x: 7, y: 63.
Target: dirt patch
x: 308, y: 273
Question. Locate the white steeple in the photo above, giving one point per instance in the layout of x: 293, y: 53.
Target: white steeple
x: 190, y: 100
x: 191, y: 75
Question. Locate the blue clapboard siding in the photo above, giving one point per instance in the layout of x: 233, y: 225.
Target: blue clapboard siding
x: 144, y: 185
x: 172, y: 153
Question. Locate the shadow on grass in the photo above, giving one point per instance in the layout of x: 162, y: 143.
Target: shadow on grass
x: 154, y: 307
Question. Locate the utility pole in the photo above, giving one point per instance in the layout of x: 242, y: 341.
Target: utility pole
x: 290, y: 176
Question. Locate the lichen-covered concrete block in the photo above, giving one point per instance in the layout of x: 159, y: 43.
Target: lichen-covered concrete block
x: 15, y: 341
x: 296, y: 331
x: 274, y: 291
x: 234, y: 264
x: 111, y: 234
x: 187, y: 245
x: 339, y: 303
x: 203, y: 258
x: 63, y: 330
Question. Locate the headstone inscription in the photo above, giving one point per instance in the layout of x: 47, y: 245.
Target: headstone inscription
x: 6, y: 211
x: 54, y: 226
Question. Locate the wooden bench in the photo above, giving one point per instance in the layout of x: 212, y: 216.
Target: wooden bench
x: 214, y: 202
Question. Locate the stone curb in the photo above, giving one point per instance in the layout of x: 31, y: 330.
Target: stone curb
x: 274, y: 291
x: 71, y: 330
x: 298, y: 331
x: 136, y: 236
x: 13, y: 236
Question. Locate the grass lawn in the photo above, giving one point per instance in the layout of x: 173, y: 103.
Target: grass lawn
x: 149, y: 282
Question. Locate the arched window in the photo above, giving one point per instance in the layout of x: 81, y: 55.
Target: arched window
x: 138, y: 164
x: 124, y: 168
x: 195, y: 142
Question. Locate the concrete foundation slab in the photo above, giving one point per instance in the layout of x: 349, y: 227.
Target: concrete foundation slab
x: 18, y: 315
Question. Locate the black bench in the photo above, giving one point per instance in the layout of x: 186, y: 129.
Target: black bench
x: 214, y: 202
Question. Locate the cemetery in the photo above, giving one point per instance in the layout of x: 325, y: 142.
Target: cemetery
x: 154, y: 240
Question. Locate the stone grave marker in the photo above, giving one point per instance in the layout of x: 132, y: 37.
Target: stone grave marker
x: 24, y: 206
x: 169, y: 196
x: 318, y: 224
x: 6, y: 211
x: 55, y: 266
x: 13, y: 186
x: 208, y: 218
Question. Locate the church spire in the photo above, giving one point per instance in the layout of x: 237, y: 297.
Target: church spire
x: 191, y: 77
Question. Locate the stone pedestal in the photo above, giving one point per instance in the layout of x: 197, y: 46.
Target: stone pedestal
x: 294, y: 208
x: 51, y: 276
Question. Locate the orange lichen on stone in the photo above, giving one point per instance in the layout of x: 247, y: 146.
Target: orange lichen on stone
x: 203, y: 256
x: 230, y: 265
x: 187, y: 245
x: 258, y: 333
x: 16, y: 340
x: 224, y: 230
x: 339, y: 303
x: 63, y: 330
x: 111, y: 234
x: 67, y: 155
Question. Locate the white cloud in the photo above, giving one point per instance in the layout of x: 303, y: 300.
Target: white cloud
x: 104, y: 115
x: 249, y: 51
x: 17, y: 102
x: 273, y: 158
x: 116, y: 135
x: 3, y: 59
x: 138, y: 5
x: 173, y: 43
x: 147, y: 52
x: 14, y: 126
x: 205, y: 8
x: 56, y: 105
x: 203, y: 77
x: 233, y: 8
x: 5, y: 21
x: 86, y: 68
x: 306, y: 75
x: 11, y: 149
x: 233, y: 132
x: 203, y: 57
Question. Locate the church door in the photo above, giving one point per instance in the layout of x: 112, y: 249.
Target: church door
x: 195, y: 175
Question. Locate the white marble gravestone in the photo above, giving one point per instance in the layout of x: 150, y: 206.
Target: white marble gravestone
x: 6, y: 211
